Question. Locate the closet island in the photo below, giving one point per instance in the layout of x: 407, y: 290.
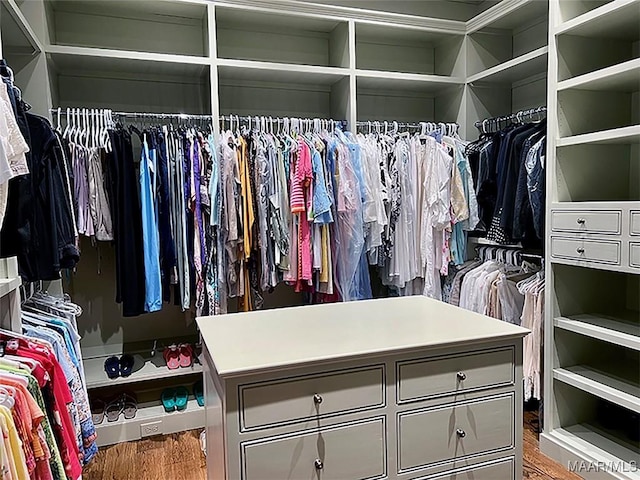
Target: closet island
x: 391, y: 388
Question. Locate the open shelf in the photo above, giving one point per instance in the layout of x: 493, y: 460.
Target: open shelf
x: 281, y: 38
x: 621, y: 330
x: 622, y: 77
x: 575, y: 8
x: 614, y: 19
x: 9, y: 285
x: 163, y: 423
x: 601, y: 304
x: 623, y: 391
x: 504, y: 41
x: 586, y: 111
x: 159, y: 26
x: 580, y: 170
x: 616, y: 136
x: 509, y: 15
x: 597, y: 444
x: 409, y: 50
x: 145, y: 369
x: 602, y: 42
x: 262, y: 88
x: 18, y: 39
x: 593, y: 429
x: 519, y: 68
x: 407, y: 100
x: 121, y: 81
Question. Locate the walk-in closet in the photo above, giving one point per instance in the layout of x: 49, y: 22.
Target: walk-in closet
x: 289, y: 237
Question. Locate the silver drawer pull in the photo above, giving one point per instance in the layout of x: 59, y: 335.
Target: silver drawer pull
x: 317, y: 399
x: 461, y: 433
x: 580, y: 250
x: 461, y: 376
x: 581, y: 221
x: 318, y: 464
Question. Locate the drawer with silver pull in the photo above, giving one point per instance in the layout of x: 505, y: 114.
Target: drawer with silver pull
x: 606, y: 222
x: 296, y: 399
x: 348, y: 451
x: 455, y: 431
x: 595, y: 251
x: 634, y: 254
x: 635, y: 222
x: 440, y: 376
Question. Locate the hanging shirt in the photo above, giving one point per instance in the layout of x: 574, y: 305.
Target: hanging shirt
x: 153, y: 287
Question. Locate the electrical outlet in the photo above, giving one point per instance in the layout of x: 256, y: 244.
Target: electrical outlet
x: 150, y: 429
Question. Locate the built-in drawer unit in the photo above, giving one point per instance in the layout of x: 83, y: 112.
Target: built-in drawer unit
x: 439, y: 376
x: 634, y: 254
x: 595, y: 251
x: 348, y: 451
x: 503, y: 469
x: 586, y: 221
x: 287, y: 400
x: 455, y: 431
x: 635, y: 223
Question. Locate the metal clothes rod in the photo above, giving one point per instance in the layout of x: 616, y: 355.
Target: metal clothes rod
x: 184, y: 116
x: 521, y: 115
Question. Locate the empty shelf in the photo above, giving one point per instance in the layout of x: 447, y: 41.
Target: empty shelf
x: 623, y: 136
x: 145, y: 369
x: 508, y: 15
x: 618, y: 390
x: 17, y: 35
x: 249, y: 70
x: 412, y: 81
x: 614, y: 330
x: 596, y: 444
x: 519, y: 68
x: 624, y: 77
x: 616, y: 19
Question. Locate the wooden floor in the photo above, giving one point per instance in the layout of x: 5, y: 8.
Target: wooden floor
x: 178, y: 457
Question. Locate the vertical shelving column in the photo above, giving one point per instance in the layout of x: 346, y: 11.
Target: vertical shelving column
x: 592, y: 336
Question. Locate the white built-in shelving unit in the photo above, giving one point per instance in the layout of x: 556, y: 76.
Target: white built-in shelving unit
x: 592, y: 326
x: 257, y: 57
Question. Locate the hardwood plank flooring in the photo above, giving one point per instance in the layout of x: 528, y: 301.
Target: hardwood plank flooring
x: 178, y: 457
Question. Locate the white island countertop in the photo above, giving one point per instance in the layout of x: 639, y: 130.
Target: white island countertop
x: 251, y: 342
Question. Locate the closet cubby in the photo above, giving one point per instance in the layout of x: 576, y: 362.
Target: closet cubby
x: 582, y: 51
x: 598, y: 304
x: 611, y: 372
x: 516, y: 40
x: 576, y: 8
x: 409, y: 50
x: 590, y: 424
x: 407, y: 101
x: 158, y: 27
x: 129, y: 85
x: 281, y: 38
x: 282, y: 93
x: 587, y: 111
x: 595, y: 173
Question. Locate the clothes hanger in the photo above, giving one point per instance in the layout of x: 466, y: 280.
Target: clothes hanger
x: 6, y: 400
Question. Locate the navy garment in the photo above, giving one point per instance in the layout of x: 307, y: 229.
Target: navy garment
x: 167, y: 245
x: 536, y: 185
x: 127, y: 224
x: 523, y: 227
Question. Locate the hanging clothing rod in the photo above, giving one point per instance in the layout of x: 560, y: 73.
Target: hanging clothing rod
x: 519, y: 116
x: 395, y: 126
x: 183, y: 116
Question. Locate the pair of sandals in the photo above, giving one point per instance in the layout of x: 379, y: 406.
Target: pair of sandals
x: 125, y: 404
x: 119, y: 367
x: 177, y: 398
x: 177, y: 356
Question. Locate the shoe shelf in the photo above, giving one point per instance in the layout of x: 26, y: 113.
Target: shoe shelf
x: 618, y: 16
x: 615, y: 136
x: 146, y: 368
x: 622, y: 77
x: 151, y: 419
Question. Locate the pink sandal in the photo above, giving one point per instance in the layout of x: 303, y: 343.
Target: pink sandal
x: 171, y: 356
x: 186, y: 355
